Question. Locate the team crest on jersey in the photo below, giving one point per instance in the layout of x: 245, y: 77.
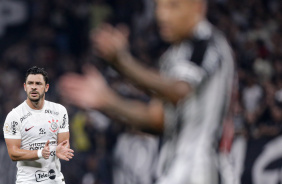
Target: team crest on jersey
x: 54, y: 126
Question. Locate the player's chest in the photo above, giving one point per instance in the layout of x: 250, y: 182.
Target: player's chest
x: 39, y: 125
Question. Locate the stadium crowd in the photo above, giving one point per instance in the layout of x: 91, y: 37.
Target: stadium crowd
x: 55, y: 35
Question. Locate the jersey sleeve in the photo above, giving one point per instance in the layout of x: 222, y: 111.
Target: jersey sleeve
x: 64, y: 120
x: 194, y: 73
x: 12, y: 127
x: 188, y: 72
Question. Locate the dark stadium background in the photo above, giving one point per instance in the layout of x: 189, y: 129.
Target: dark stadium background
x: 54, y: 34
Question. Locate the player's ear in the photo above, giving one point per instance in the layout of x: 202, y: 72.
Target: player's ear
x: 24, y: 86
x: 46, y: 87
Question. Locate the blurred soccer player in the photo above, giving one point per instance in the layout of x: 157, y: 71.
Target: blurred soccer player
x: 37, y: 133
x: 193, y: 88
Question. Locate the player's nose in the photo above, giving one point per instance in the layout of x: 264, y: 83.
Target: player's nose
x: 33, y: 87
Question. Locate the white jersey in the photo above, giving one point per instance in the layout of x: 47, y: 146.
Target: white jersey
x: 34, y: 128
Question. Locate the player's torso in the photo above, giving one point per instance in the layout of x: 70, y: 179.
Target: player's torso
x: 193, y: 123
x: 37, y: 127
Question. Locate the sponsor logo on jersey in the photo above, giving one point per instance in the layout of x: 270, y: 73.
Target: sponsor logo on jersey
x: 25, y: 116
x: 40, y: 145
x: 45, y: 175
x: 54, y: 126
x: 51, y: 112
x: 14, y: 127
x: 27, y: 129
x: 52, y: 153
x: 36, y: 146
x: 64, y: 121
x: 42, y: 131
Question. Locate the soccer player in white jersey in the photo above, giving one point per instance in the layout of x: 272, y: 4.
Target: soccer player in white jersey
x: 193, y: 88
x: 37, y: 133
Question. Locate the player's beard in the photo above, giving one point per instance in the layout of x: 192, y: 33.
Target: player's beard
x: 41, y: 96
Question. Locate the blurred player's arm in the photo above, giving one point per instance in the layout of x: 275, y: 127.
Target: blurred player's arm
x: 112, y: 45
x: 17, y: 154
x: 90, y: 91
x: 135, y: 113
x: 169, y: 89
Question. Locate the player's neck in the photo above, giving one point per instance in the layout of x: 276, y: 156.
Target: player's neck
x: 35, y: 105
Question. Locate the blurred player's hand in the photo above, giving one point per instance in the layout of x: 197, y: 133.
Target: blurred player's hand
x: 109, y: 41
x: 63, y: 152
x: 85, y: 91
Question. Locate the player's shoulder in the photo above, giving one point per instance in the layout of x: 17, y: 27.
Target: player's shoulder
x: 12, y: 114
x: 54, y: 107
x: 16, y: 112
x: 218, y: 37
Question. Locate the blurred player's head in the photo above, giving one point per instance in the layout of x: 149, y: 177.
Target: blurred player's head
x: 36, y: 83
x: 177, y: 18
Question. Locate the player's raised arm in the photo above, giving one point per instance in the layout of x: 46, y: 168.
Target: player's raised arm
x: 111, y: 44
x: 90, y: 91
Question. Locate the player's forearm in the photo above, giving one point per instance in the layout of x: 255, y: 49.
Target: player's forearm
x: 135, y: 113
x: 139, y: 74
x: 150, y: 80
x: 65, y: 136
x: 17, y: 154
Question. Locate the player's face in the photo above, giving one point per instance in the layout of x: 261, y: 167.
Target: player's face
x: 35, y: 87
x: 177, y: 18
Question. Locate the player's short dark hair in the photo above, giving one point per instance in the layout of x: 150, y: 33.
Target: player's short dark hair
x: 35, y: 70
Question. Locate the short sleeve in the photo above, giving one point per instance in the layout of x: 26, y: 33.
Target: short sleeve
x: 12, y: 127
x: 179, y: 66
x: 189, y: 72
x: 64, y: 120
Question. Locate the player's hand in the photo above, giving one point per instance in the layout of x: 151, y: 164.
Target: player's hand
x: 88, y: 91
x: 63, y: 151
x: 109, y: 41
x: 46, y: 150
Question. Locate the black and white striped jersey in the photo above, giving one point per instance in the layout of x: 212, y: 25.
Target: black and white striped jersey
x: 205, y: 62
